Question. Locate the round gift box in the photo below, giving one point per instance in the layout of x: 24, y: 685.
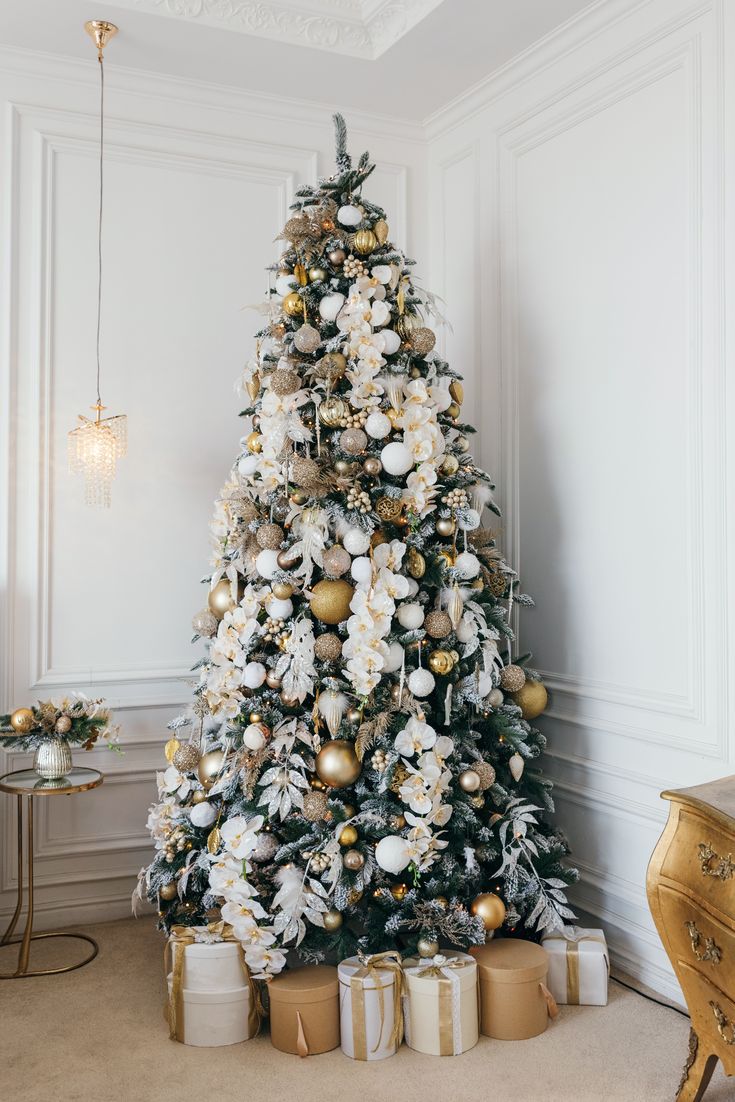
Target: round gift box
x: 213, y: 966
x: 512, y: 980
x: 305, y: 1010
x: 435, y: 1023
x: 214, y: 1018
x: 365, y: 1028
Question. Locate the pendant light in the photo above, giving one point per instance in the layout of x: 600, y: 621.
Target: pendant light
x: 96, y: 444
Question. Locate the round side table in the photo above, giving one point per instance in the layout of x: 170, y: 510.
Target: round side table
x: 26, y: 782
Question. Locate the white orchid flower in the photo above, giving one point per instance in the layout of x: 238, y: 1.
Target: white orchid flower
x: 415, y: 737
x: 239, y: 835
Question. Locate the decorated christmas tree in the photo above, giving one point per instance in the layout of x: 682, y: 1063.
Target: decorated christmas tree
x: 357, y: 769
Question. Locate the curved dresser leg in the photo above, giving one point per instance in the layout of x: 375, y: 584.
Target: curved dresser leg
x: 697, y: 1072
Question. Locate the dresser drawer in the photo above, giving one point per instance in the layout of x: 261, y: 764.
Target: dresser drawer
x: 697, y: 938
x: 712, y: 1012
x: 700, y: 857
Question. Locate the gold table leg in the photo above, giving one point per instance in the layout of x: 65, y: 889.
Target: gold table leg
x: 28, y: 936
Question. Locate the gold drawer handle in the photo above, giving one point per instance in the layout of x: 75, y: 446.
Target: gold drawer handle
x: 723, y: 1024
x: 721, y: 868
x: 711, y: 951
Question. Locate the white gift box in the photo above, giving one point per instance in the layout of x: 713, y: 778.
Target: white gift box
x: 213, y: 1018
x: 368, y: 1005
x: 579, y: 966
x: 211, y: 997
x: 441, y: 1004
x: 213, y: 967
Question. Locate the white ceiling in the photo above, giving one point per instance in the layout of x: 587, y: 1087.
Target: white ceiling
x: 440, y: 47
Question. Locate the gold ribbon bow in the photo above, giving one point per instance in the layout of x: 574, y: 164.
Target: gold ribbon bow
x: 174, y: 955
x: 372, y: 965
x: 572, y: 961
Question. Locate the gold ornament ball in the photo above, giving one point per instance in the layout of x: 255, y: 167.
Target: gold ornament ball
x: 490, y: 908
x: 348, y: 810
x: 332, y: 411
x: 354, y: 715
x: 337, y: 764
x: 372, y: 466
x: 427, y: 947
x: 269, y: 536
x: 209, y: 767
x: 364, y: 242
x: 63, y: 725
x: 398, y: 891
x: 330, y: 600
x: 457, y: 391
x: 486, y: 773
x: 348, y: 835
x: 255, y: 717
x: 531, y: 699
x: 462, y: 444
x: 22, y: 720
x: 422, y: 341
x: 198, y: 796
x: 254, y: 443
x: 437, y: 624
x: 289, y: 701
x: 328, y: 647
x: 186, y: 758
x: 416, y: 564
x: 272, y: 680
x: 282, y: 590
x: 353, y: 860
x: 337, y: 257
x: 317, y: 784
x: 445, y: 526
x: 168, y: 891
x: 293, y: 304
x: 441, y: 662
x: 398, y: 822
x: 332, y: 920
x: 441, y: 900
x: 469, y: 780
x: 404, y: 326
x: 220, y: 599
x: 317, y: 275
x: 381, y: 231
x: 298, y: 497
x: 287, y: 558
x: 450, y: 464
x: 315, y: 806
x: 512, y: 678
x: 453, y: 410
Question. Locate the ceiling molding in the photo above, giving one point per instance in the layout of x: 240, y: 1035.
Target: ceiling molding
x: 357, y: 28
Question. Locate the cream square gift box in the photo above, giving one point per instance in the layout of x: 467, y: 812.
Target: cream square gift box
x: 579, y: 966
x: 371, y: 1019
x: 440, y: 1004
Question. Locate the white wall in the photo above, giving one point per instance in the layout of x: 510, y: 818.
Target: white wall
x: 198, y: 182
x: 578, y: 208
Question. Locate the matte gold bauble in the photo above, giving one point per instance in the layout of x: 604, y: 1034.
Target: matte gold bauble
x: 398, y: 891
x: 281, y: 590
x: 289, y: 701
x: 328, y: 647
x: 415, y: 563
x: 168, y: 891
x: 469, y: 780
x: 317, y: 275
x: 450, y: 464
x: 272, y: 680
x: 531, y: 699
x: 332, y: 411
x: 332, y: 920
x: 293, y: 304
x: 457, y: 391
x: 372, y: 466
x: 198, y: 796
x: 462, y: 444
x: 332, y: 366
x: 353, y: 860
x: 330, y: 600
x: 254, y: 442
x: 354, y: 715
x: 337, y: 257
x: 348, y: 835
x: 437, y: 624
x: 404, y: 326
x: 381, y: 231
x: 343, y: 466
x: 440, y: 661
x: 220, y: 599
x: 22, y: 720
x: 426, y: 947
x: 209, y: 767
x: 253, y: 387
x: 364, y: 242
x: 453, y: 410
x: 337, y: 764
x: 348, y: 810
x: 490, y: 908
x: 298, y: 497
x: 445, y: 526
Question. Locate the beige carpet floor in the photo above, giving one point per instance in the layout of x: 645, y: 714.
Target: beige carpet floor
x: 98, y: 1035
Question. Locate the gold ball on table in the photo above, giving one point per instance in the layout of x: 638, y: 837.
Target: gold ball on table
x: 22, y: 720
x: 63, y: 725
x: 399, y: 891
x: 441, y: 662
x: 437, y: 624
x: 469, y: 780
x: 445, y: 526
x: 364, y: 242
x: 330, y: 600
x: 332, y: 920
x: 168, y: 891
x: 221, y: 600
x: 210, y: 765
x: 293, y: 304
x: 532, y: 699
x: 427, y: 947
x: 490, y: 908
x: 348, y: 835
x: 337, y: 764
x: 353, y: 860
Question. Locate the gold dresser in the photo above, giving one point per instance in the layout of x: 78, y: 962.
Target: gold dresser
x: 691, y: 892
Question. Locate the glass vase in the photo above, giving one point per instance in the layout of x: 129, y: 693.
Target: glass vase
x: 53, y: 759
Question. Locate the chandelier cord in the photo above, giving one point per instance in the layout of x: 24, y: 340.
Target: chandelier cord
x: 99, y: 228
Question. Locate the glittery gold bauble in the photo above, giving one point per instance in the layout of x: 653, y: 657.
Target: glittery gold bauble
x: 531, y: 699
x: 353, y: 860
x: 453, y: 410
x: 388, y: 508
x: 512, y: 678
x: 63, y: 725
x: 22, y: 720
x: 440, y: 661
x: 221, y: 600
x: 269, y: 536
x: 254, y: 442
x: 337, y: 763
x: 445, y: 526
x: 490, y: 908
x: 336, y: 561
x: 348, y: 835
x: 168, y: 891
x: 315, y: 806
x: 328, y: 647
x: 426, y: 947
x: 332, y: 366
x: 353, y: 441
x: 441, y: 900
x: 317, y: 275
x: 364, y: 242
x: 372, y: 466
x: 209, y: 767
x: 198, y: 796
x: 284, y: 381
x: 330, y: 600
x: 332, y: 920
x: 486, y: 773
x: 398, y: 891
x: 293, y: 304
x: 332, y: 411
x: 422, y: 340
x: 272, y: 680
x: 437, y: 624
x: 457, y: 391
x: 381, y: 231
x: 478, y: 800
x: 281, y: 590
x: 469, y: 780
x: 337, y: 257
x: 305, y: 472
x: 450, y: 464
x: 186, y: 757
x: 415, y: 563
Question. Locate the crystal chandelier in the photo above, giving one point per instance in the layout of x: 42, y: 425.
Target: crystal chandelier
x: 96, y: 444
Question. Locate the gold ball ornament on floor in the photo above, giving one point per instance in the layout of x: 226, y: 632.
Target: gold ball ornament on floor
x: 437, y: 624
x: 426, y: 947
x: 490, y: 908
x: 512, y: 678
x: 364, y: 242
x: 348, y: 835
x: 440, y: 662
x: 22, y: 720
x: 209, y: 767
x: 337, y: 764
x: 332, y: 920
x: 293, y: 304
x: 469, y: 780
x: 353, y: 860
x: 531, y: 699
x: 330, y: 600
x: 168, y: 891
x: 220, y: 598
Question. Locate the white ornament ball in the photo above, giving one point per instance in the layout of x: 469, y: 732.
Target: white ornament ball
x: 285, y: 284
x: 265, y: 847
x: 396, y: 459
x: 254, y: 737
x: 413, y: 587
x: 362, y: 570
x: 496, y: 699
x: 421, y: 682
x: 465, y: 630
x: 394, y: 661
x: 467, y: 564
x: 266, y: 563
x: 203, y: 814
x: 378, y: 426
x: 391, y: 341
x: 484, y: 684
x: 279, y: 608
x: 331, y: 305
x: 253, y: 675
x: 356, y: 541
x: 248, y: 465
x: 392, y: 854
x: 469, y: 520
x: 349, y: 215
x: 410, y: 616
